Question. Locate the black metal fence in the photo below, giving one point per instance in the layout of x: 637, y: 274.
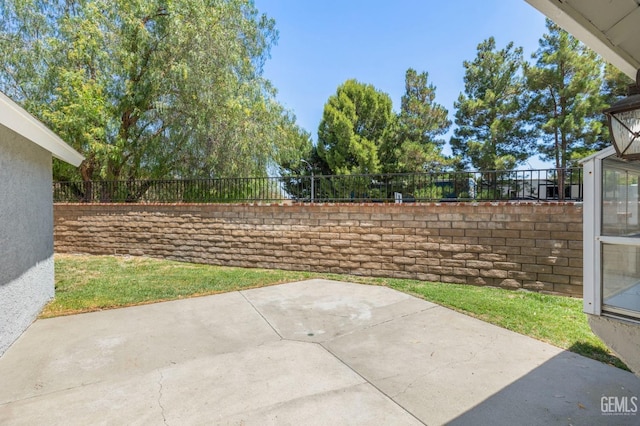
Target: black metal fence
x: 551, y: 184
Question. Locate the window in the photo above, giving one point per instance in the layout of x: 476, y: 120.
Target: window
x: 621, y: 279
x: 620, y: 198
x: 620, y: 238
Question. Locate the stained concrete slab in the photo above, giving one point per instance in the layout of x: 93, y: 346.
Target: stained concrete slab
x: 67, y: 352
x: 330, y: 408
x: 439, y: 364
x: 321, y: 310
x: 245, y: 387
x: 313, y: 352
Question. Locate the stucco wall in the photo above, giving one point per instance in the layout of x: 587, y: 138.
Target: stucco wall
x: 537, y: 246
x: 26, y: 234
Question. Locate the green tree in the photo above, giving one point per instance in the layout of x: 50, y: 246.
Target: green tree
x: 415, y: 145
x: 567, y: 104
x: 355, y: 122
x: 615, y: 84
x: 297, y: 167
x: 148, y: 88
x: 492, y: 132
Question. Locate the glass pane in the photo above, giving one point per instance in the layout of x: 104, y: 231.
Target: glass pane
x: 621, y: 277
x: 622, y: 133
x: 620, y: 198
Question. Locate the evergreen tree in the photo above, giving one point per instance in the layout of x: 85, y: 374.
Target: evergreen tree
x: 567, y: 103
x: 355, y: 122
x: 492, y: 132
x: 414, y: 145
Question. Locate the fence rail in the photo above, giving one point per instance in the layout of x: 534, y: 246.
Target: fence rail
x: 551, y: 184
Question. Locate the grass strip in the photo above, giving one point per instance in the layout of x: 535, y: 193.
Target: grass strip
x: 91, y: 283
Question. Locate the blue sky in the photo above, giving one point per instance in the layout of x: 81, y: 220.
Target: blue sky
x: 323, y: 43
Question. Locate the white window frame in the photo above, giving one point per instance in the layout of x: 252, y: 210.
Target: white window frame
x: 593, y: 239
x: 591, y: 246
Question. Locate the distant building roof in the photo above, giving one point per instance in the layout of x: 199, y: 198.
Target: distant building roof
x: 14, y: 117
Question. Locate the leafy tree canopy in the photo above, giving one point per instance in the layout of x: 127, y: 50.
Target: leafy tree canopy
x: 149, y: 88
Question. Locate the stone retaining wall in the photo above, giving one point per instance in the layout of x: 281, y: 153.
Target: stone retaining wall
x: 536, y: 246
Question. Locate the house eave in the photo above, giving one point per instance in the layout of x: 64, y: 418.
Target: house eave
x: 14, y: 117
x: 563, y: 13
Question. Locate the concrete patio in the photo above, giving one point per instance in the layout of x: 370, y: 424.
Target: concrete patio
x: 313, y: 352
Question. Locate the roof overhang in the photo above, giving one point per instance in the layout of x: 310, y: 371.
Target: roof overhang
x: 20, y: 121
x: 610, y: 28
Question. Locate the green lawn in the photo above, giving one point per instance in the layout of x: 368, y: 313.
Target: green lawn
x: 90, y: 283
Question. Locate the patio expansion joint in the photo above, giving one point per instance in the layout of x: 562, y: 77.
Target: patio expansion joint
x: 370, y: 383
x: 262, y: 316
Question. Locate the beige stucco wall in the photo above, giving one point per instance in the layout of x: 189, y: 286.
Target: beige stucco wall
x: 26, y: 234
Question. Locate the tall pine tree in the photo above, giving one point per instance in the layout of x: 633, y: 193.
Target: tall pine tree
x: 415, y: 145
x: 492, y: 132
x: 567, y: 102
